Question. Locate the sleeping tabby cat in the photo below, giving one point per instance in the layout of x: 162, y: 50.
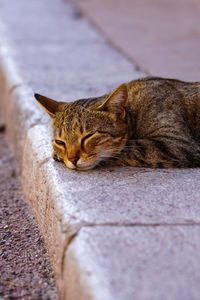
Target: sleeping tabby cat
x: 150, y: 122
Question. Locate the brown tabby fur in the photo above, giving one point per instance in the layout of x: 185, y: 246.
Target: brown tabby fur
x: 150, y: 122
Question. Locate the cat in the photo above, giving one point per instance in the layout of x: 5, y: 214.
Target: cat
x: 150, y: 122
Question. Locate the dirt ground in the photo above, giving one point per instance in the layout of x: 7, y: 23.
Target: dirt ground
x: 25, y: 272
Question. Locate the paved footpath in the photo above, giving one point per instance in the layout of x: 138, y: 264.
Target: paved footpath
x: 115, y: 233
x: 161, y: 36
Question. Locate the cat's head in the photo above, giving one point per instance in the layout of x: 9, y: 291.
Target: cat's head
x: 88, y: 131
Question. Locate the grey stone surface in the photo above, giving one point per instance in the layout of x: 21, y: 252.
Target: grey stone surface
x: 51, y: 39
x: 44, y: 21
x: 74, y: 70
x: 138, y: 262
x: 162, y: 37
x: 52, y: 50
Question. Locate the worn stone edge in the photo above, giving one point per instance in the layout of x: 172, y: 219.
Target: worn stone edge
x: 15, y: 93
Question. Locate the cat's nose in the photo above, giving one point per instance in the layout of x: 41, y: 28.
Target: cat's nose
x: 73, y: 160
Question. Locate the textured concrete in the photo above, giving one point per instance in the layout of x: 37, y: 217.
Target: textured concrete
x: 161, y: 36
x: 100, y: 225
x: 137, y: 262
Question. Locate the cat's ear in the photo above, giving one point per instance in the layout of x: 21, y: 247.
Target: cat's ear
x: 49, y: 105
x: 116, y: 102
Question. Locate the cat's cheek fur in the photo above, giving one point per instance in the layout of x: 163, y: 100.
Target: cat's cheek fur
x: 103, y: 151
x: 114, y: 148
x: 103, y: 154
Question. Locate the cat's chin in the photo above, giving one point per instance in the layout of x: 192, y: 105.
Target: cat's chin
x: 85, y: 167
x: 80, y: 167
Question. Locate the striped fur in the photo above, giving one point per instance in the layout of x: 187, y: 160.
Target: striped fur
x: 150, y: 122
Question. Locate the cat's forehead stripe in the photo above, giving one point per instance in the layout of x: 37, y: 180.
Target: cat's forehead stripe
x: 62, y: 133
x: 57, y: 131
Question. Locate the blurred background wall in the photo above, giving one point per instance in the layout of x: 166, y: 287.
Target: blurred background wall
x: 161, y: 36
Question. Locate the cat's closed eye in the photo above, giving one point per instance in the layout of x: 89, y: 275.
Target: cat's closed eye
x: 85, y: 138
x: 97, y: 135
x: 59, y: 142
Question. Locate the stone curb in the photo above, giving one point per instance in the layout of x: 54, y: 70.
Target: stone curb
x: 29, y: 136
x: 32, y: 151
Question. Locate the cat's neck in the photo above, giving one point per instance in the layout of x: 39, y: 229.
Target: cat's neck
x: 131, y: 124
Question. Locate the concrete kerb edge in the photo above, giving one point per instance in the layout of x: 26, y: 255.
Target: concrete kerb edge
x: 56, y: 238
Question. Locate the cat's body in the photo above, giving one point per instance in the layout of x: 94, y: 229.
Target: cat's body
x: 150, y: 122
